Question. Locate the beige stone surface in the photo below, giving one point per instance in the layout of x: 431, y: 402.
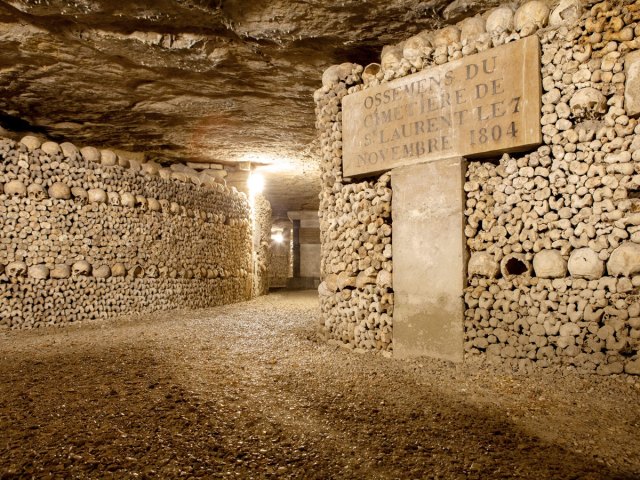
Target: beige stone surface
x: 309, y: 235
x: 429, y: 259
x: 309, y: 244
x: 632, y: 86
x: 310, y: 260
x: 478, y: 105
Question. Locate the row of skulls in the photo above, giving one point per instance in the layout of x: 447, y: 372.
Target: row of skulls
x: 61, y: 191
x: 81, y: 268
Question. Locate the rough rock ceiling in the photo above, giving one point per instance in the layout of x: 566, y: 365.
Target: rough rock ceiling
x: 194, y: 80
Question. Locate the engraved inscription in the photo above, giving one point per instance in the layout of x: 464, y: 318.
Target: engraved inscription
x: 482, y: 104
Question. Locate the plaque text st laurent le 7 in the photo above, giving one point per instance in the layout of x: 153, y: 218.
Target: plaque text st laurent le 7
x: 478, y: 105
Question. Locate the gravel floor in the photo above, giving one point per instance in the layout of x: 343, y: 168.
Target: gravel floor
x: 248, y: 391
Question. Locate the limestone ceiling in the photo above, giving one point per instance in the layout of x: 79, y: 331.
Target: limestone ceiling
x: 194, y: 80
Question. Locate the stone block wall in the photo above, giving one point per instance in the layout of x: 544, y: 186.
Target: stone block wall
x: 86, y: 234
x: 553, y: 234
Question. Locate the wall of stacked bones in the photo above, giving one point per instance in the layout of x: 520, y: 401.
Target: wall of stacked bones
x: 85, y: 234
x: 553, y: 234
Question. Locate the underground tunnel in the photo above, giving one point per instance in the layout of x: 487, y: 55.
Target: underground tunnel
x: 340, y: 239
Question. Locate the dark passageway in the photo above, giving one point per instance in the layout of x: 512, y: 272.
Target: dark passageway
x: 246, y: 391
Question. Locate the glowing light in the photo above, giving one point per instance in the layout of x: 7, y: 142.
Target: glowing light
x: 256, y: 183
x: 277, y: 237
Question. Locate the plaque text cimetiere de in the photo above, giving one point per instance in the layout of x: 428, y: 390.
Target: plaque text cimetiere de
x: 479, y: 105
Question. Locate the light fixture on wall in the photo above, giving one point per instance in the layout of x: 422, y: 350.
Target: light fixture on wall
x: 255, y: 183
x: 277, y: 237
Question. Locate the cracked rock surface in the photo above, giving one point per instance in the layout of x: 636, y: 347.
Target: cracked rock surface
x: 194, y: 80
x: 245, y: 391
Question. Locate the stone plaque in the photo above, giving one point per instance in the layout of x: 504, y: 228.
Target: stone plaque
x: 479, y: 105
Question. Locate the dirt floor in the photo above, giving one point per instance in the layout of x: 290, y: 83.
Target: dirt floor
x: 248, y: 391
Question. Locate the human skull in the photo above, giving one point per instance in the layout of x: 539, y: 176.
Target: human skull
x: 549, y: 264
x: 60, y: 191
x: 337, y: 73
x: 446, y: 36
x: 585, y: 263
x: 36, y: 191
x: 81, y: 268
x: 165, y: 173
x: 136, y: 271
x: 391, y: 57
x: 69, y: 150
x: 128, y: 200
x: 165, y: 204
x: 79, y: 193
x: 152, y: 271
x: 151, y: 168
x: 60, y: 271
x: 50, y: 148
x: 154, y: 205
x: 530, y: 17
x: 566, y: 12
x: 16, y: 269
x: 97, y: 195
x: 625, y: 260
x: 39, y: 272
x: 141, y: 202
x: 108, y: 158
x: 31, y: 142
x: 416, y: 47
x: 90, y: 154
x: 15, y: 187
x: 500, y: 20
x: 175, y: 208
x: 118, y: 270
x: 471, y: 28
x: 515, y: 264
x: 123, y: 162
x: 114, y: 198
x: 588, y: 103
x: 103, y: 271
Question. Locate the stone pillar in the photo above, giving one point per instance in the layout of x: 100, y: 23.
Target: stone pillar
x: 296, y: 248
x: 306, y: 241
x: 429, y: 259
